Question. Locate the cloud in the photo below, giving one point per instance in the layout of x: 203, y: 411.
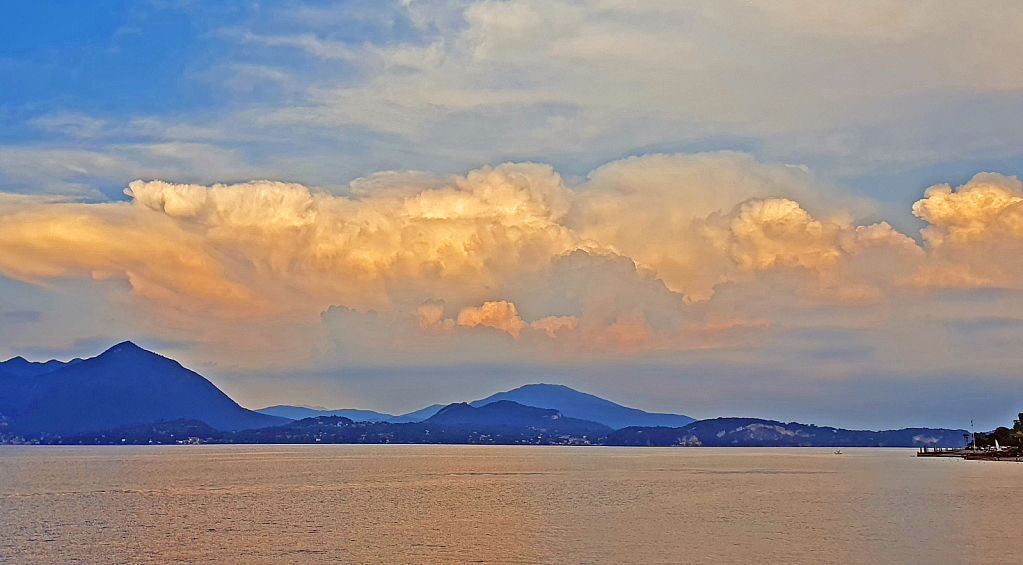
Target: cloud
x: 974, y: 233
x: 778, y: 232
x: 989, y: 207
x: 448, y: 85
x: 551, y: 325
x: 73, y: 125
x: 498, y: 315
x: 557, y: 77
x: 659, y: 253
x: 161, y: 262
x: 79, y: 173
x: 430, y: 316
x: 266, y: 247
x: 697, y: 220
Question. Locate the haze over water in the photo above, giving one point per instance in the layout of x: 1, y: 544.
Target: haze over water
x: 483, y: 504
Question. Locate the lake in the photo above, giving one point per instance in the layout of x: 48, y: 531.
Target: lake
x: 389, y: 504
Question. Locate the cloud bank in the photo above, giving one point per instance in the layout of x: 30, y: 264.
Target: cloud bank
x: 655, y: 253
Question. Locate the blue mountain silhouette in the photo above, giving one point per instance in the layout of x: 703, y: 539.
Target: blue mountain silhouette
x: 512, y: 414
x: 575, y: 404
x: 124, y: 385
x: 302, y: 412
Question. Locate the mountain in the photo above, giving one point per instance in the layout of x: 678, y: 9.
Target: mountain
x: 505, y: 413
x: 20, y: 367
x: 124, y: 385
x: 418, y: 415
x: 575, y: 404
x: 300, y: 412
x: 752, y: 432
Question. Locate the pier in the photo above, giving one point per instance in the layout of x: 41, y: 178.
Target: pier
x: 968, y: 453
x: 942, y: 451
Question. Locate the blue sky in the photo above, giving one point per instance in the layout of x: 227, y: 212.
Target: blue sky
x: 695, y: 189
x: 111, y: 60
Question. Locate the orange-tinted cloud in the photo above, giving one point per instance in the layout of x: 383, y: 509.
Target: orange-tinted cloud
x: 974, y: 233
x: 630, y: 259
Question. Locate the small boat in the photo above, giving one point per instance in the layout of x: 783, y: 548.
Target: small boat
x: 838, y: 452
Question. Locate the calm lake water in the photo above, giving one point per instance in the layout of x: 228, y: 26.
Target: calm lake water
x: 482, y: 504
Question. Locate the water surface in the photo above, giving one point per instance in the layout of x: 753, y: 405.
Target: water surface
x: 514, y: 504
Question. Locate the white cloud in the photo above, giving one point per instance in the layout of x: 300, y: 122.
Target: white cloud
x: 73, y: 125
x: 806, y: 78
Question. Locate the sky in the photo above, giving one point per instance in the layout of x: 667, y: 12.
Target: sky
x: 791, y: 209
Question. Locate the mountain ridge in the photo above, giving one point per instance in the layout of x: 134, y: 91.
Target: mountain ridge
x: 571, y: 402
x: 125, y: 384
x: 21, y: 367
x: 584, y: 406
x: 302, y: 412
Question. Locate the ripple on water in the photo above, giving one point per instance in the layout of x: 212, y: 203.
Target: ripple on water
x: 516, y: 504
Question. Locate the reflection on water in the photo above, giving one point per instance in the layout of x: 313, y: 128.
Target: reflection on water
x: 515, y: 504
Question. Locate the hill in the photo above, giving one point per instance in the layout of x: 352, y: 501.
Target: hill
x: 122, y: 386
x: 512, y: 414
x: 301, y: 412
x: 575, y: 404
x: 752, y: 432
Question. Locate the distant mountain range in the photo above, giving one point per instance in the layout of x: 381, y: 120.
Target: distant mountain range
x: 510, y: 423
x: 130, y: 395
x: 568, y: 401
x: 752, y: 432
x: 302, y: 412
x: 503, y: 422
x: 124, y: 385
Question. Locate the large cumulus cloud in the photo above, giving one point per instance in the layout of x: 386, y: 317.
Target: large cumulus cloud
x: 630, y: 259
x: 974, y: 233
